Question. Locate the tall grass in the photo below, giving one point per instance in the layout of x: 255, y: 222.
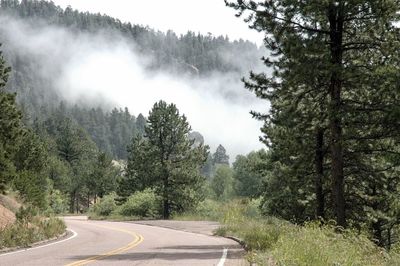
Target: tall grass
x: 29, y: 229
x: 271, y: 241
x: 24, y: 234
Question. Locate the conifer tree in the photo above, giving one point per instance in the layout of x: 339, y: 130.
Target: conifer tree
x: 167, y: 160
x: 335, y: 65
x: 10, y: 128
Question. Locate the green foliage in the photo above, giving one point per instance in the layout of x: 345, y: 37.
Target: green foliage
x: 103, y: 178
x: 58, y: 202
x: 166, y: 160
x: 26, y: 214
x: 278, y: 242
x: 10, y: 128
x: 316, y: 245
x: 207, y: 210
x: 220, y: 156
x: 222, y: 182
x: 142, y: 204
x: 24, y: 234
x: 249, y: 173
x: 30, y: 160
x: 333, y: 91
x: 105, y: 206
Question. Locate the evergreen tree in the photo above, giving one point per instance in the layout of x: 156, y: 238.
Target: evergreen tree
x: 167, y: 161
x: 249, y: 174
x: 220, y: 156
x: 10, y: 128
x: 222, y: 182
x: 335, y: 66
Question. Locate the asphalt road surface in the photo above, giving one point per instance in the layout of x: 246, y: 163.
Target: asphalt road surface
x: 117, y: 243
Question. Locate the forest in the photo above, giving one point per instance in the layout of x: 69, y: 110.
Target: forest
x: 83, y: 149
x: 331, y: 162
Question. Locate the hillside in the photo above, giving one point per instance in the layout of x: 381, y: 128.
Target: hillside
x: 8, y: 207
x: 36, y: 75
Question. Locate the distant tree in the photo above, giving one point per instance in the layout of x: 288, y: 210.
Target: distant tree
x: 103, y: 178
x: 197, y: 138
x: 31, y: 164
x: 141, y: 124
x: 208, y: 168
x: 168, y: 161
x: 249, y: 174
x: 10, y: 128
x: 220, y: 156
x: 222, y: 182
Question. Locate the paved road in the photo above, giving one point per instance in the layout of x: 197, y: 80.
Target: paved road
x: 115, y: 243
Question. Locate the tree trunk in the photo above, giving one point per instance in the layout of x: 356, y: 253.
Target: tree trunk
x: 166, y: 211
x: 377, y: 230
x: 166, y: 205
x: 77, y: 204
x: 336, y: 41
x: 72, y: 202
x: 319, y: 160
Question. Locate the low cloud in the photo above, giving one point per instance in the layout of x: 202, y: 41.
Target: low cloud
x: 93, y: 68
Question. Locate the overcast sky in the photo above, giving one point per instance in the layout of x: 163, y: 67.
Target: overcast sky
x: 178, y: 15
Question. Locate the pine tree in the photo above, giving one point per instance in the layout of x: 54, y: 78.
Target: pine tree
x: 336, y: 64
x: 10, y: 128
x: 167, y: 161
x: 220, y: 156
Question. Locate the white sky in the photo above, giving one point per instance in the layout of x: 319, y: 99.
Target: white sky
x: 178, y: 15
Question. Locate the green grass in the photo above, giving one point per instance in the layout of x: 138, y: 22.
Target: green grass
x: 24, y: 233
x: 272, y: 241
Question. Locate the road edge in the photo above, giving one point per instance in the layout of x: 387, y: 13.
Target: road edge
x: 68, y: 233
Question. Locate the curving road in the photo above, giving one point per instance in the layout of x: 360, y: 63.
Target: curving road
x: 117, y: 243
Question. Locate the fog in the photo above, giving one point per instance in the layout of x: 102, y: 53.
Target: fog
x: 104, y: 68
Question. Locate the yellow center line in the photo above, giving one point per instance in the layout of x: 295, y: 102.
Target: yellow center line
x: 138, y: 239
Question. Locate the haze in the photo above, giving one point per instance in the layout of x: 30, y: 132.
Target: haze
x: 89, y: 69
x: 178, y: 15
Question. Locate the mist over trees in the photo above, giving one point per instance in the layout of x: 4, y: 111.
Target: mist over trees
x: 332, y: 133
x: 62, y: 156
x: 192, y: 55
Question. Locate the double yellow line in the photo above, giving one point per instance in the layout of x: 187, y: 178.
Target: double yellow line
x: 138, y: 239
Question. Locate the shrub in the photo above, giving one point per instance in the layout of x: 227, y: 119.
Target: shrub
x: 26, y: 214
x: 24, y: 232
x: 143, y: 204
x: 58, y: 202
x: 105, y: 206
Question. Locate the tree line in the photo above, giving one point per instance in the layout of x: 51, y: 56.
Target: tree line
x: 333, y: 127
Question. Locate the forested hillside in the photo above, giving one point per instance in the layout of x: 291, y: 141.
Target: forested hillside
x: 192, y: 54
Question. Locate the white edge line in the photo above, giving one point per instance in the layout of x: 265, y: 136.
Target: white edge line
x: 223, y: 258
x: 74, y: 234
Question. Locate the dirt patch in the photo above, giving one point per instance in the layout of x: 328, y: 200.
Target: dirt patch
x: 10, y: 203
x: 6, y: 217
x: 200, y: 227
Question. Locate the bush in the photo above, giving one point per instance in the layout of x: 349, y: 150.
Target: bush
x: 26, y: 214
x: 58, y: 202
x: 143, y: 204
x: 24, y: 233
x: 105, y: 206
x: 272, y: 241
x: 314, y: 244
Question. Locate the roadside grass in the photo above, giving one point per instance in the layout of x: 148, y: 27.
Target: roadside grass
x: 24, y: 233
x: 271, y: 241
x: 268, y: 240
